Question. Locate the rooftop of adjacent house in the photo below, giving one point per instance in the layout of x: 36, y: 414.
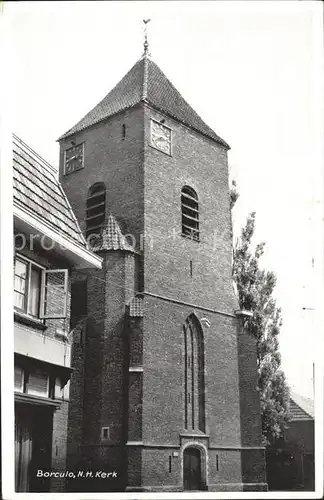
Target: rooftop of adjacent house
x: 37, y: 190
x: 147, y: 83
x: 301, y: 408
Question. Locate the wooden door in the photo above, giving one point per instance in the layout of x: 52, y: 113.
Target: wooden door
x: 33, y: 446
x: 23, y: 451
x: 192, y: 469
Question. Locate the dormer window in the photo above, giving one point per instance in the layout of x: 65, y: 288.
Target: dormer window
x: 96, y: 209
x: 190, y: 213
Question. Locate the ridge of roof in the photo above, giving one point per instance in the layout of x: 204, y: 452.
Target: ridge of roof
x: 112, y: 238
x: 145, y: 77
x: 145, y: 82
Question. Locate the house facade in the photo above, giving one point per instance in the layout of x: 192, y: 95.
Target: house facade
x: 48, y: 245
x: 164, y: 388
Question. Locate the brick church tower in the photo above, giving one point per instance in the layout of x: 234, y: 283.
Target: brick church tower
x: 164, y: 384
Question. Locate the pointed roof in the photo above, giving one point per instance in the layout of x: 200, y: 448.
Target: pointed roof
x: 147, y: 83
x: 112, y: 238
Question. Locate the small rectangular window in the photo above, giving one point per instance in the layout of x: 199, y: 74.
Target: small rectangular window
x: 54, y: 293
x: 58, y: 389
x: 27, y: 285
x: 34, y: 291
x: 105, y: 433
x: 19, y: 379
x: 20, y: 284
x: 38, y: 383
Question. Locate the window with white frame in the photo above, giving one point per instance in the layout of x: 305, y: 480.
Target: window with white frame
x: 38, y: 292
x: 27, y: 287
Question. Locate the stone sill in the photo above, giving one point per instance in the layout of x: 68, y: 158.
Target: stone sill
x: 29, y: 321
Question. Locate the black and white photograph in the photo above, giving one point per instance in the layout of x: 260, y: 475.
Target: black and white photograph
x: 162, y: 249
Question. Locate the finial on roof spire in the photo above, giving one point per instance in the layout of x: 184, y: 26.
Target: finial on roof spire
x: 146, y: 45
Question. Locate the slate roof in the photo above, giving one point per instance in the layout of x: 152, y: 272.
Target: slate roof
x: 301, y: 408
x: 112, y: 238
x: 146, y: 82
x: 37, y: 190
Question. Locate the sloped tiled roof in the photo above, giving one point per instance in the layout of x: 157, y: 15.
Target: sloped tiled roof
x: 37, y: 190
x: 300, y: 408
x: 112, y: 238
x: 146, y: 82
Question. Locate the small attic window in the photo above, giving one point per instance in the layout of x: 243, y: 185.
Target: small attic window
x: 96, y: 209
x: 123, y: 131
x: 190, y: 213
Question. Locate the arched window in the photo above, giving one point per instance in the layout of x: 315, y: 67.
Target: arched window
x: 190, y: 213
x: 194, y: 374
x: 96, y: 209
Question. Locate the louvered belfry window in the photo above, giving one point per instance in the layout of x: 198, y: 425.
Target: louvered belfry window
x: 96, y: 209
x: 190, y: 213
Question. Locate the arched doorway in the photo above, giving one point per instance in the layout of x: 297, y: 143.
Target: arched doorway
x: 192, y: 476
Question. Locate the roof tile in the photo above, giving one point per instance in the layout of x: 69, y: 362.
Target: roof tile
x: 146, y: 82
x: 301, y: 408
x: 37, y: 189
x: 112, y: 238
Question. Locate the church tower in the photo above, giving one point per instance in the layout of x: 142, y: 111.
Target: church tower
x: 164, y: 388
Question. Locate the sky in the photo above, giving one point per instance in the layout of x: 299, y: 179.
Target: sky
x: 252, y: 70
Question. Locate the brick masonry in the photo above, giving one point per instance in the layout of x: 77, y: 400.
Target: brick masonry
x: 144, y: 410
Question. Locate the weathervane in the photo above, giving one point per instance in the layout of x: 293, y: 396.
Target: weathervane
x: 146, y: 45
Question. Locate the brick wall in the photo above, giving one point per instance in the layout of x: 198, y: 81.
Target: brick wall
x: 59, y: 445
x: 202, y: 165
x: 115, y: 161
x: 163, y: 351
x: 144, y: 192
x: 97, y: 384
x: 249, y: 395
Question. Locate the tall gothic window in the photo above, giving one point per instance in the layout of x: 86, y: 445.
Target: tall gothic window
x: 194, y: 375
x: 190, y: 213
x: 96, y: 209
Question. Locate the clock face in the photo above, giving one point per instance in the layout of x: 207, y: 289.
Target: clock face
x: 161, y: 137
x: 74, y: 158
